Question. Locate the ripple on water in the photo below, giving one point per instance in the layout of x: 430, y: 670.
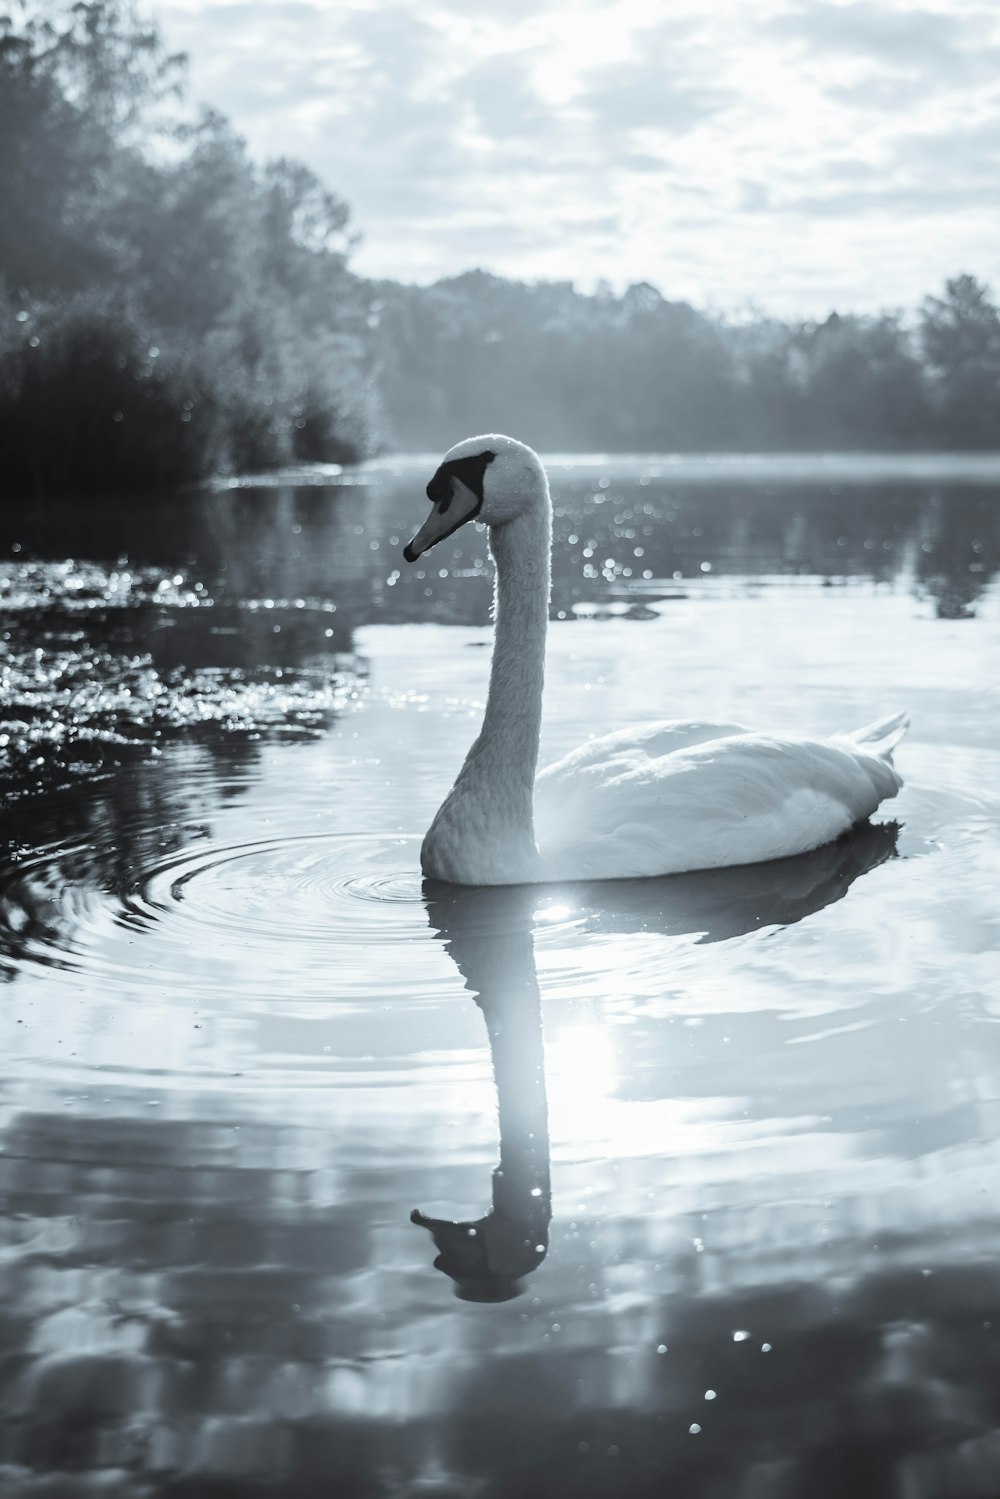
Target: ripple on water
x: 339, y: 919
x: 284, y: 890
x: 298, y: 917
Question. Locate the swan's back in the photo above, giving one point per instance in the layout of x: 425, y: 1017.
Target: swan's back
x: 622, y: 807
x: 639, y: 742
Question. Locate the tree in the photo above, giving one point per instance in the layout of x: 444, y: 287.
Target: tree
x: 960, y: 335
x: 862, y: 385
x: 236, y: 276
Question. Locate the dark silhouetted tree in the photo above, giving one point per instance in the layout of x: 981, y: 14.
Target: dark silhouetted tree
x: 151, y: 239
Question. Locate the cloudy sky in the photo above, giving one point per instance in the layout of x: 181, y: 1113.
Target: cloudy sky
x: 792, y: 155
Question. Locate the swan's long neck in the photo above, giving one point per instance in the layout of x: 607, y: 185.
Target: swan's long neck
x: 513, y: 718
x: 484, y: 831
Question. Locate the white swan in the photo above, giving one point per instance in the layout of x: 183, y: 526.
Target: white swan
x: 654, y: 799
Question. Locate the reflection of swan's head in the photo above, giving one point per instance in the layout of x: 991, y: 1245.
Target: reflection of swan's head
x: 490, y: 478
x: 487, y: 1259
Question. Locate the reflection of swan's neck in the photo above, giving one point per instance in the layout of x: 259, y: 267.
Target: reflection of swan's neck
x: 484, y: 831
x: 514, y: 1023
x: 492, y: 944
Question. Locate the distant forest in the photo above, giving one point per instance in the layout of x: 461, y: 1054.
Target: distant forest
x: 169, y: 309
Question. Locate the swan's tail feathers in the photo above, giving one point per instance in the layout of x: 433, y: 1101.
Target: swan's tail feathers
x: 881, y: 737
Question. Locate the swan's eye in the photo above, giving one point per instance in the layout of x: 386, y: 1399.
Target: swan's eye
x: 470, y: 470
x: 439, y: 489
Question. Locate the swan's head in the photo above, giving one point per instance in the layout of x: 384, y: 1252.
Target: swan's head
x: 492, y: 479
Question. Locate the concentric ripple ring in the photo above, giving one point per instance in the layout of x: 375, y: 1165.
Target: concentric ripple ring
x: 295, y: 916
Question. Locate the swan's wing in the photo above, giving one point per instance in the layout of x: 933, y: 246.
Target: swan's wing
x: 740, y: 799
x: 880, y: 737
x: 628, y: 749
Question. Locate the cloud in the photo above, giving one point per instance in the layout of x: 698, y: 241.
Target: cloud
x: 645, y: 97
x: 736, y: 149
x: 897, y: 36
x: 899, y: 56
x: 916, y: 201
x: 506, y: 105
x: 971, y: 150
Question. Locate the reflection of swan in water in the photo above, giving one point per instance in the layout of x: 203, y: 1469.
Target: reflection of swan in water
x: 489, y: 932
x: 721, y: 903
x: 647, y: 800
x: 489, y: 935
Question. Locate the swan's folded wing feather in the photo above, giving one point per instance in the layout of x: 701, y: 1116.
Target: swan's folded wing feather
x: 629, y: 747
x: 735, y: 800
x: 882, y: 736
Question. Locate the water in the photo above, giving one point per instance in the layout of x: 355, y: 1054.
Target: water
x: 738, y: 1132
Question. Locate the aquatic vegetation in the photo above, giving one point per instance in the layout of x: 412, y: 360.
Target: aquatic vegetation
x: 73, y: 702
x: 73, y: 585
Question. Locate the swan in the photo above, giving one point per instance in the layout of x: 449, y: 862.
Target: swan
x: 650, y: 799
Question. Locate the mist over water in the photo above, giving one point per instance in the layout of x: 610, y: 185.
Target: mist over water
x: 710, y: 1161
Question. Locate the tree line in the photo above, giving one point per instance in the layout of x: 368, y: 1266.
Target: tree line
x: 640, y: 373
x: 169, y: 308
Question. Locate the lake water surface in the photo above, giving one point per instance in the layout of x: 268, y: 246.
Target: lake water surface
x: 708, y: 1165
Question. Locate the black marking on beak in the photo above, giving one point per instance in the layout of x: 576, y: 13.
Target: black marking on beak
x: 440, y: 490
x: 471, y: 471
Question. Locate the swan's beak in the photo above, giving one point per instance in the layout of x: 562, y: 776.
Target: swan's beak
x: 449, y: 512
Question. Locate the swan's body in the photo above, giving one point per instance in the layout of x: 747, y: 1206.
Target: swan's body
x: 647, y: 800
x: 678, y: 796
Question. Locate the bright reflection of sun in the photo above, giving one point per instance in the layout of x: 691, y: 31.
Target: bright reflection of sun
x: 581, y: 1075
x: 546, y: 914
x: 589, y: 1118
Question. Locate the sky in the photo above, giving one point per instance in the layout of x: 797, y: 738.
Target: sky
x: 788, y: 156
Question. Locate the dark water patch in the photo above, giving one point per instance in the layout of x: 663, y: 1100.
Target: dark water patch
x: 614, y: 529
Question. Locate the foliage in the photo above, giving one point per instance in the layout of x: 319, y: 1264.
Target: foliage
x: 129, y: 226
x: 86, y: 391
x: 479, y: 353
x: 960, y: 336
